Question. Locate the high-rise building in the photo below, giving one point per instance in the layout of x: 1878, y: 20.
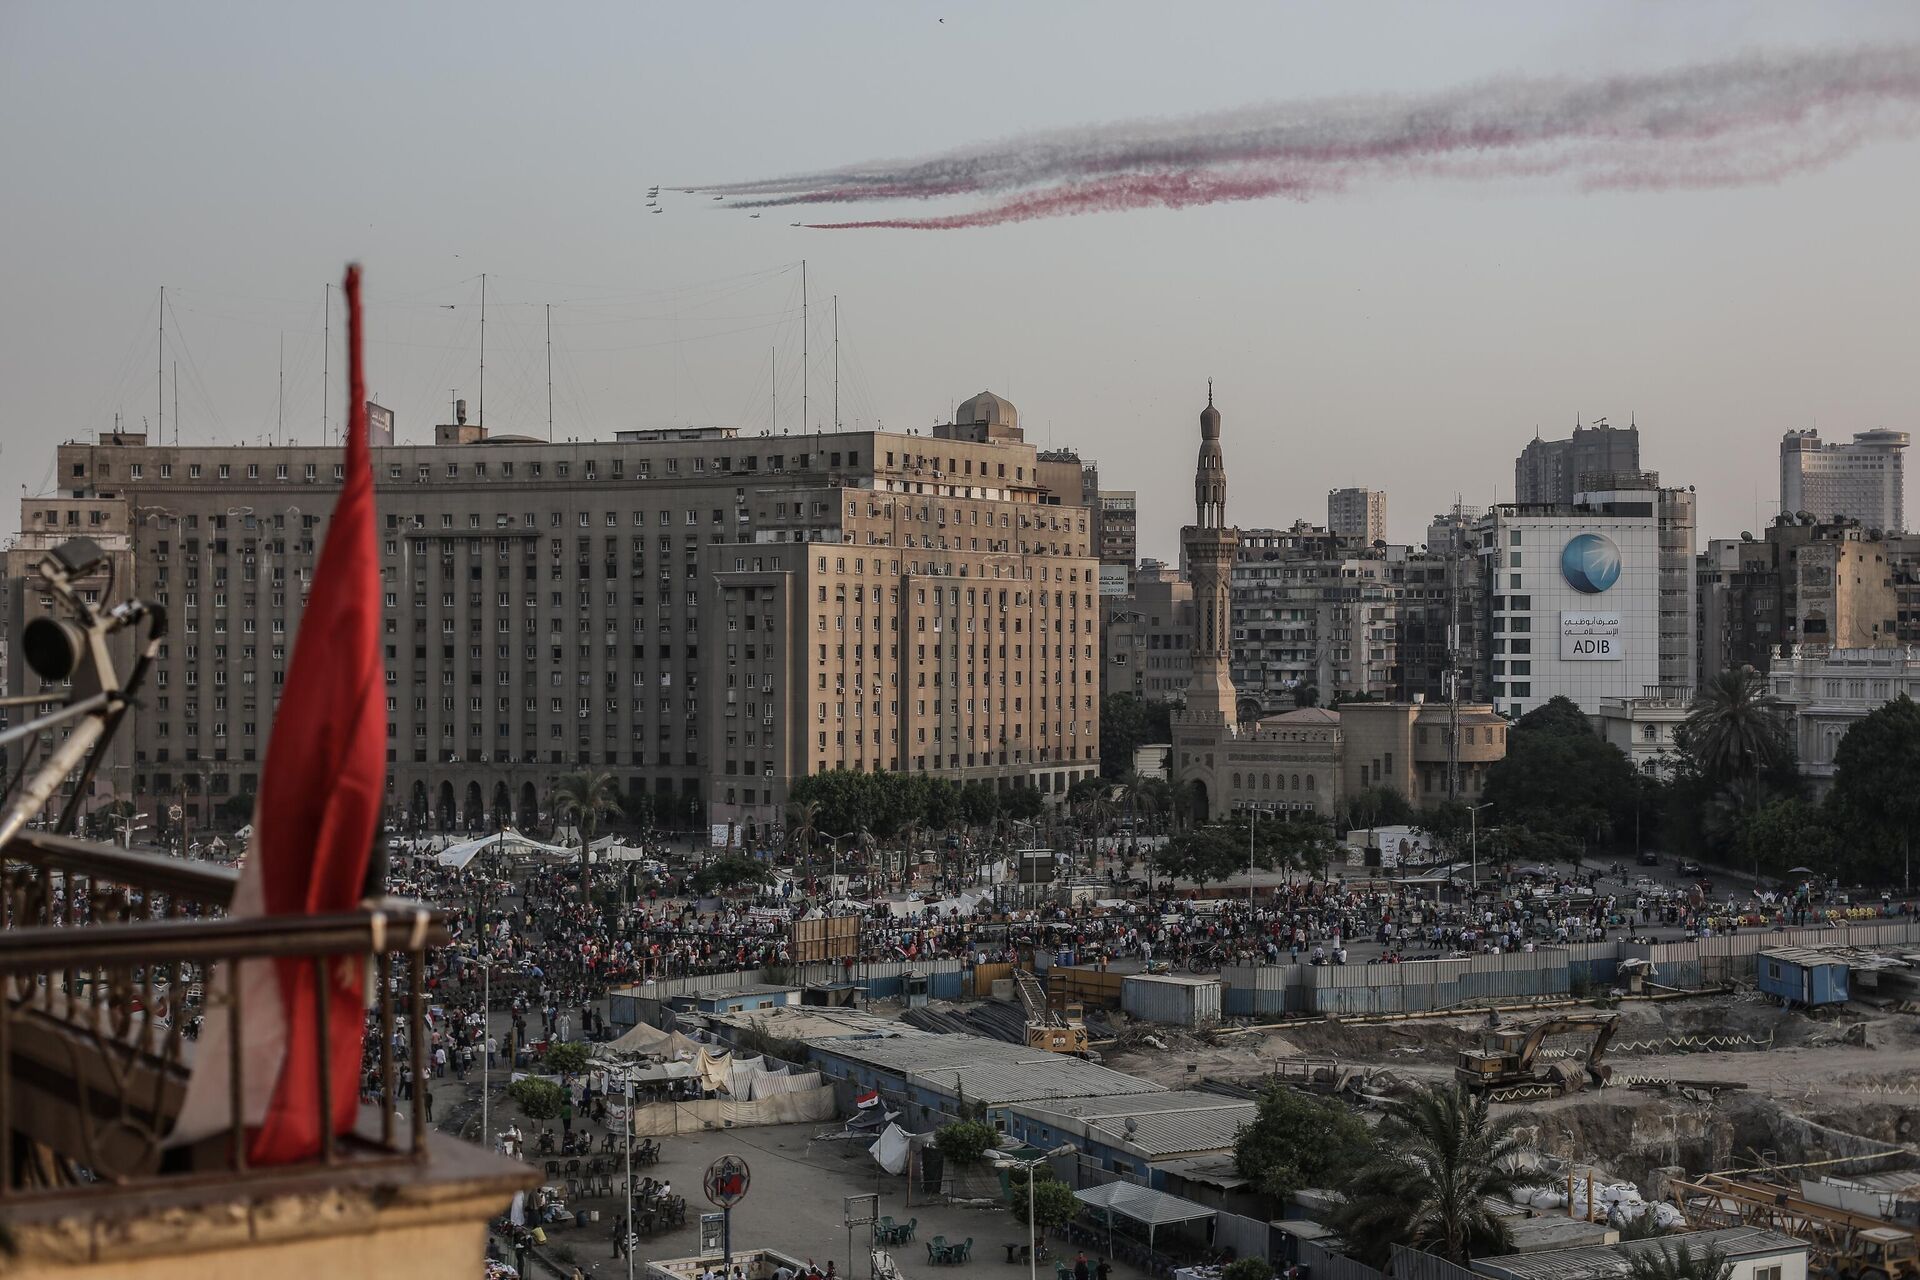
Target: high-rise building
x: 1315, y: 616
x: 1119, y: 528
x: 1148, y: 638
x: 1806, y: 583
x: 1358, y: 514
x: 1863, y: 481
x: 1592, y: 599
x: 1552, y: 471
x: 706, y: 615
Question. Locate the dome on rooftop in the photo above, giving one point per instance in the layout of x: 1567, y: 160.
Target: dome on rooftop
x: 993, y: 410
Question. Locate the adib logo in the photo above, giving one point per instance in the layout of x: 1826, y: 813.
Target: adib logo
x: 1590, y: 563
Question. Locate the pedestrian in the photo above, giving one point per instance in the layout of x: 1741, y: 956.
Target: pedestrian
x: 426, y: 1093
x: 1103, y: 1270
x: 1080, y: 1267
x: 493, y: 1047
x: 620, y: 1236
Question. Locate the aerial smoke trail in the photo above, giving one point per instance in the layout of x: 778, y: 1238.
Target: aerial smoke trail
x: 1753, y: 120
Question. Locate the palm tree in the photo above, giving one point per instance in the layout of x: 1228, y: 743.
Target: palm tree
x: 589, y: 796
x: 803, y: 823
x: 1736, y: 727
x: 1682, y: 1263
x: 1440, y: 1159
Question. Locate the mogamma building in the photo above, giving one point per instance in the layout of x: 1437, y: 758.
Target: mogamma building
x: 706, y: 615
x: 1574, y: 601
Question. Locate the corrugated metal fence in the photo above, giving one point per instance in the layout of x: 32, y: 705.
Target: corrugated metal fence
x: 1420, y: 985
x: 1417, y: 1264
x: 1324, y: 1264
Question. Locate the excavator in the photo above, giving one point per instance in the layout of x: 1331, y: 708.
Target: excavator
x: 1055, y: 1032
x: 1510, y: 1061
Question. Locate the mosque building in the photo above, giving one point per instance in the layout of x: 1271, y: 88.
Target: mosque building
x: 1311, y: 759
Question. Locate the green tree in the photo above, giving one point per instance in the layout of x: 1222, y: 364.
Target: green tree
x: 1024, y: 804
x: 1247, y: 1269
x: 1126, y: 723
x: 1298, y: 1141
x: 567, y: 1057
x: 1671, y: 1262
x: 1560, y: 779
x: 941, y: 805
x: 1378, y: 807
x: 1205, y: 855
x: 724, y: 875
x: 538, y: 1099
x: 588, y: 796
x: 979, y: 802
x: 965, y: 1142
x: 1876, y: 790
x: 1439, y: 1161
x: 1735, y: 728
x: 1054, y: 1203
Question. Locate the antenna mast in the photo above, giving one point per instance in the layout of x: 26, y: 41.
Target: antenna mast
x: 176, y: 402
x: 803, y: 346
x: 160, y: 368
x: 280, y: 422
x: 326, y: 358
x: 549, y: 371
x: 1455, y: 544
x: 836, y: 362
x: 773, y: 364
x: 480, y: 409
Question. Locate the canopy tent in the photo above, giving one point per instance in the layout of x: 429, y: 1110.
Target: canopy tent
x: 506, y: 840
x: 1152, y: 1209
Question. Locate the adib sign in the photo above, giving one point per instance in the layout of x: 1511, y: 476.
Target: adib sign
x: 1587, y: 636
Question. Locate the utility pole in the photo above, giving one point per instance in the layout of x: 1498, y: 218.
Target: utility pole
x: 803, y: 346
x: 326, y: 356
x: 1454, y: 540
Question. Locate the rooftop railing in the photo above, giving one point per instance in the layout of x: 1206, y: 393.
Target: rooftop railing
x: 111, y: 961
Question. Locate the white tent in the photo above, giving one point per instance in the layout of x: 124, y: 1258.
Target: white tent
x: 506, y: 841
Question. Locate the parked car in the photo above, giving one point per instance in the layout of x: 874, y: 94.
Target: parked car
x: 1648, y: 858
x: 1688, y: 867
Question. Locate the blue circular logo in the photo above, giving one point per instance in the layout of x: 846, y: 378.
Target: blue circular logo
x: 1590, y: 563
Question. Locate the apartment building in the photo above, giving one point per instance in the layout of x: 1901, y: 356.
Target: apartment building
x: 1553, y: 471
x: 707, y: 615
x: 1359, y: 515
x: 1148, y: 636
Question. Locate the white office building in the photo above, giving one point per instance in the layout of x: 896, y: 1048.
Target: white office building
x: 1826, y: 692
x: 1863, y: 481
x: 1574, y: 601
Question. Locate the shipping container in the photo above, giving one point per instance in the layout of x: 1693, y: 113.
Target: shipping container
x: 1176, y: 1001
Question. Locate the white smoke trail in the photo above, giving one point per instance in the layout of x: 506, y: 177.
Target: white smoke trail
x: 1753, y: 119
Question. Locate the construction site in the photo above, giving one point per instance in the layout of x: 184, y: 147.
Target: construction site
x: 1757, y: 1084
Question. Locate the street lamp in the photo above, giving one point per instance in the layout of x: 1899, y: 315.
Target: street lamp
x: 1033, y: 1228
x: 1473, y: 829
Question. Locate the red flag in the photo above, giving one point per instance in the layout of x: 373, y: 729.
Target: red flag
x: 321, y: 793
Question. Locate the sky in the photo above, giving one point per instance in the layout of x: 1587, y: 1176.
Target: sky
x: 1406, y: 335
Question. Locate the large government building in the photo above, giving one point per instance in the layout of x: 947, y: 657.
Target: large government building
x: 707, y: 615
x: 1232, y: 757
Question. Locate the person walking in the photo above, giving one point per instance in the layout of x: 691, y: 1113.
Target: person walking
x: 1080, y: 1271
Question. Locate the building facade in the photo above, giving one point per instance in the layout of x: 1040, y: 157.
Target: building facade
x: 1863, y: 481
x: 1830, y: 584
x: 706, y: 615
x: 1148, y: 638
x: 1359, y: 515
x: 1553, y: 471
x: 1826, y: 691
x: 1644, y: 729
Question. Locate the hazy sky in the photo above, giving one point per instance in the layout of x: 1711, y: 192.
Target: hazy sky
x: 1410, y: 336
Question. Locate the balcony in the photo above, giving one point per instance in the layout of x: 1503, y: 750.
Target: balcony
x: 109, y: 959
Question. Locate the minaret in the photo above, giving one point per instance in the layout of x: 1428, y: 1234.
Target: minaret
x: 1210, y: 545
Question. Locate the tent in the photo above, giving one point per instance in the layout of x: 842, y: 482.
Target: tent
x: 506, y: 840
x: 1152, y: 1209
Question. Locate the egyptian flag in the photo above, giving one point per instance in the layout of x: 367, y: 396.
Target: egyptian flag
x: 320, y: 797
x: 871, y: 1098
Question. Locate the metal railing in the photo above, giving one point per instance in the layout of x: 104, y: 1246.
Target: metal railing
x: 110, y: 960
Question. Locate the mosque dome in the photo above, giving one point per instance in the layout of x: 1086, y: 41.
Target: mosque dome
x: 989, y: 409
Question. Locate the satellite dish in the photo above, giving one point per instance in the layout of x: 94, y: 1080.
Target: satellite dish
x: 1132, y: 1124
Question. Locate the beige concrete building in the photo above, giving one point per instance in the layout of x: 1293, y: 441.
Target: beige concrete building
x: 1359, y: 515
x: 1148, y: 638
x: 706, y: 615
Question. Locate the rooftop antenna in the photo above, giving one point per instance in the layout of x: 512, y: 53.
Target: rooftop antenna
x: 836, y: 362
x: 160, y: 368
x: 549, y: 372
x: 176, y: 402
x: 480, y: 408
x: 280, y: 420
x: 326, y: 356
x: 803, y: 344
x: 773, y: 376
